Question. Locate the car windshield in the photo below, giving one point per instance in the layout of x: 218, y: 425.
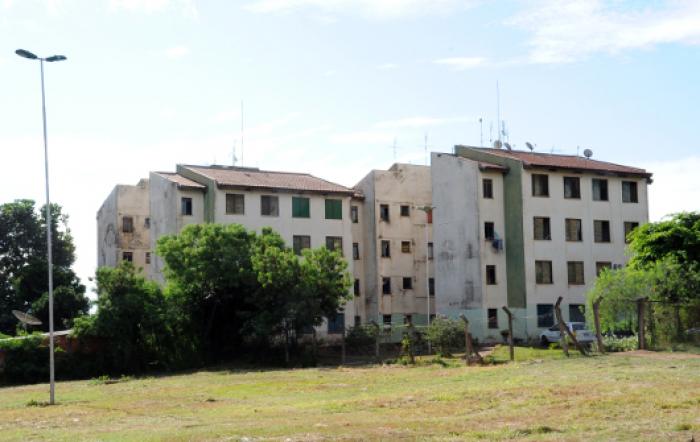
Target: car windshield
x: 578, y: 326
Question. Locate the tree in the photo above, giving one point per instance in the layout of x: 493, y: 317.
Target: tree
x: 23, y: 266
x: 677, y: 237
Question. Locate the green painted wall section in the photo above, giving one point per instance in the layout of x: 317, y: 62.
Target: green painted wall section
x: 209, y: 194
x: 513, y: 212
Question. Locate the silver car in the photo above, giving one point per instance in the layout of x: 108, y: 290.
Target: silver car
x: 578, y: 329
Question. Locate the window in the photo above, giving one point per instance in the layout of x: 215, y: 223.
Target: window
x: 405, y: 246
x: 334, y: 209
x: 602, y: 265
x: 386, y: 286
x: 354, y: 214
x: 147, y: 223
x: 629, y: 227
x: 489, y: 232
x: 575, y: 272
x: 336, y: 323
x: 543, y: 272
x: 600, y: 190
x: 540, y: 185
x: 431, y: 286
x: 355, y: 251
x: 405, y: 211
x: 490, y: 274
x: 235, y: 204
x: 128, y: 256
x: 148, y: 257
x: 300, y: 242
x: 487, y: 184
x: 545, y: 315
x: 572, y: 187
x: 430, y: 250
x: 186, y: 206
x: 127, y: 224
x: 386, y: 248
x: 356, y: 287
x: 334, y: 243
x: 573, y: 229
x: 408, y: 319
x: 269, y: 205
x: 301, y: 207
x: 577, y: 313
x: 429, y: 216
x: 629, y: 192
x: 384, y: 212
x: 493, y: 317
x: 541, y: 227
x: 408, y: 283
x: 358, y: 321
x: 601, y: 231
x: 386, y: 319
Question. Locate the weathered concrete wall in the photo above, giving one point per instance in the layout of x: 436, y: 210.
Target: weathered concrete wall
x: 368, y: 238
x: 358, y: 266
x: 107, y: 231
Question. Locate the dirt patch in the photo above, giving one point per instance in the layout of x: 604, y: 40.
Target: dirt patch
x: 661, y: 355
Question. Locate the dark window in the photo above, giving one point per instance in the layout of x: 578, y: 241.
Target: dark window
x: 575, y: 271
x: 128, y: 256
x: 577, y: 313
x: 431, y: 286
x: 430, y: 250
x: 493, y: 317
x: 334, y: 243
x: 545, y: 315
x: 147, y: 223
x: 405, y: 211
x: 629, y: 192
x: 301, y: 207
x: 405, y: 246
x: 573, y: 229
x: 354, y: 214
x: 358, y: 321
x: 572, y: 187
x: 602, y: 265
x: 148, y: 257
x: 629, y: 227
x: 356, y: 287
x: 601, y: 231
x: 490, y: 274
x: 269, y: 205
x: 334, y: 209
x: 386, y: 248
x: 127, y: 224
x: 600, y: 189
x: 488, y: 187
x: 386, y: 286
x: 186, y: 206
x: 489, y: 231
x: 408, y: 319
x: 300, y: 242
x: 543, y: 272
x: 408, y: 283
x: 540, y: 185
x: 384, y: 212
x: 542, y: 228
x: 235, y: 204
x: 355, y: 251
x: 336, y: 324
x: 386, y: 319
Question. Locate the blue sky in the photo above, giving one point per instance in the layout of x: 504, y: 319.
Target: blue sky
x: 328, y: 85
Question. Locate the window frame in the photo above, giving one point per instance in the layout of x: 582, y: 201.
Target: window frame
x: 580, y: 229
x: 540, y: 273
x: 127, y: 224
x: 541, y: 191
x: 384, y: 213
x: 600, y: 196
x: 575, y: 190
x: 431, y: 286
x: 487, y: 188
x: 491, y: 274
x: 386, y: 285
x: 301, y: 207
x: 545, y: 315
x: 431, y: 250
x: 128, y: 256
x: 600, y: 266
x: 385, y: 252
x: 633, y: 192
x: 546, y: 228
x: 336, y: 243
x: 356, y: 251
x: 356, y: 287
x: 572, y: 273
x: 405, y: 246
x: 603, y: 232
x: 492, y: 318
x: 186, y: 206
x: 232, y: 206
x: 625, y: 231
x: 489, y: 225
x: 354, y: 214
x: 334, y: 208
x: 405, y: 210
x: 298, y: 243
x: 407, y: 283
x: 269, y: 199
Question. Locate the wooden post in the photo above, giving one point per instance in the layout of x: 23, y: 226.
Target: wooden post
x: 342, y: 348
x: 571, y: 335
x: 510, y: 332
x: 467, y: 342
x: 641, y: 345
x: 596, y: 320
x: 562, y: 327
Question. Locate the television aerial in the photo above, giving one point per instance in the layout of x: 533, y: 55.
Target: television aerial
x: 26, y: 319
x: 497, y: 144
x: 530, y: 146
x: 588, y: 153
x: 508, y: 146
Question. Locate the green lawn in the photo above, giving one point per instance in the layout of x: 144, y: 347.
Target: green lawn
x: 628, y: 397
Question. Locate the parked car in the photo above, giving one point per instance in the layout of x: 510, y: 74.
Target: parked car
x: 577, y: 328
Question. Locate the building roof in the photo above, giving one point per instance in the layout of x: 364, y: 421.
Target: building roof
x: 181, y: 181
x: 540, y: 159
x: 246, y: 177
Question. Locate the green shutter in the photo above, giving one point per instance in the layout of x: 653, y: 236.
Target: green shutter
x: 334, y: 209
x: 300, y: 207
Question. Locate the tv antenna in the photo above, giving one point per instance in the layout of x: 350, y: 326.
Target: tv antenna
x: 26, y: 319
x: 394, y: 147
x: 498, y: 144
x: 588, y: 153
x: 498, y: 109
x: 508, y: 146
x: 241, y: 133
x: 481, y: 131
x: 530, y: 146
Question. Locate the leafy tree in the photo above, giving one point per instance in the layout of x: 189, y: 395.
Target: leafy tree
x: 677, y: 237
x: 23, y: 266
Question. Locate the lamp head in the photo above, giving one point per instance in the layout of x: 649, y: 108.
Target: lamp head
x: 26, y: 54
x: 56, y: 58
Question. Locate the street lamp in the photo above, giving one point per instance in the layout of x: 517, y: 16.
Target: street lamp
x: 30, y: 56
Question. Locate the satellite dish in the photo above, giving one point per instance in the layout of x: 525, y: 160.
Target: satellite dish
x: 530, y: 146
x: 26, y: 318
x: 508, y: 146
x: 588, y: 153
x: 497, y: 144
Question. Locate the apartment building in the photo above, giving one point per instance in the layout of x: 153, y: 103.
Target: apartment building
x: 523, y: 228
x: 393, y: 236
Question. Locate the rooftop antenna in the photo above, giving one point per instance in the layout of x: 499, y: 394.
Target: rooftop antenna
x: 26, y: 319
x: 508, y: 146
x: 481, y: 132
x: 490, y: 132
x: 241, y: 133
x: 588, y: 153
x: 577, y: 149
x: 529, y: 146
x: 394, y: 147
x: 498, y: 108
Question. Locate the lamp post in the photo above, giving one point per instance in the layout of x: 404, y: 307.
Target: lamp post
x: 28, y: 55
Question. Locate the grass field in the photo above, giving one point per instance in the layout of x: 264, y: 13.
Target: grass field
x: 544, y: 397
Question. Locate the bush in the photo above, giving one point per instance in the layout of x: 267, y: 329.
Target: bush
x: 614, y: 343
x: 26, y: 361
x: 445, y: 334
x: 361, y: 336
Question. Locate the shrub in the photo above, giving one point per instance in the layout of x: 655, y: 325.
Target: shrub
x: 361, y: 336
x: 445, y: 335
x: 613, y: 343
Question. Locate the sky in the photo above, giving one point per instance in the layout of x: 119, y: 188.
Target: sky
x: 337, y: 88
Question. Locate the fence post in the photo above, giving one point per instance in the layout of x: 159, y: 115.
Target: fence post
x: 596, y: 320
x: 342, y: 348
x: 510, y: 332
x: 569, y: 332
x: 562, y: 328
x: 641, y: 345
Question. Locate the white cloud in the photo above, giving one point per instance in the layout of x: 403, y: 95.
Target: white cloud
x: 387, y: 66
x: 568, y: 30
x: 379, y: 9
x: 462, y: 63
x: 675, y: 187
x: 421, y: 122
x: 187, y: 7
x: 177, y: 52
